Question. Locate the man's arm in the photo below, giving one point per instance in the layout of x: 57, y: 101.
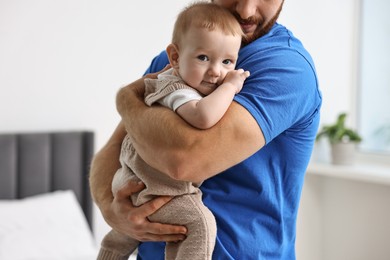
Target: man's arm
x: 104, y: 165
x: 169, y: 144
x: 118, y: 210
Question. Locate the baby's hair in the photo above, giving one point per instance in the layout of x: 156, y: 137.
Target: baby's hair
x: 205, y: 15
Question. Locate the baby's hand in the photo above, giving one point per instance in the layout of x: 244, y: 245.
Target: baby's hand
x: 237, y: 78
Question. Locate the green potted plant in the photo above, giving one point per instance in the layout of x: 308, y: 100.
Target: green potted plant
x: 342, y: 139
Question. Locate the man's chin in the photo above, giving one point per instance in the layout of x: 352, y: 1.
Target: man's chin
x: 262, y: 29
x: 250, y: 37
x: 247, y: 39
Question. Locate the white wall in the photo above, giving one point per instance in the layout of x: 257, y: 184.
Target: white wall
x: 61, y: 62
x: 343, y: 218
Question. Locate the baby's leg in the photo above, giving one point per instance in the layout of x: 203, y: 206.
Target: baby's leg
x: 117, y: 246
x: 189, y: 210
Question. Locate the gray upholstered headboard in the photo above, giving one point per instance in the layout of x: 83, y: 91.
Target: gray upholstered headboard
x: 35, y: 163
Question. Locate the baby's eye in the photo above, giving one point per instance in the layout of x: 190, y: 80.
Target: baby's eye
x: 227, y: 62
x: 203, y: 57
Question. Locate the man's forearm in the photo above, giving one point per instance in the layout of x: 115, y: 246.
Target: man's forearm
x: 157, y: 132
x: 103, y: 167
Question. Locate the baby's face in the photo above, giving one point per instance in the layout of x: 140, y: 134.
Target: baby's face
x: 205, y: 57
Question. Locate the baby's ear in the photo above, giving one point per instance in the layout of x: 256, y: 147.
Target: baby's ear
x: 173, y: 55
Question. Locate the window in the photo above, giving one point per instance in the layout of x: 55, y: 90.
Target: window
x: 374, y: 77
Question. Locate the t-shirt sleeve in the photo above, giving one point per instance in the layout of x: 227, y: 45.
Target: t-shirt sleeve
x: 179, y: 97
x: 158, y: 63
x: 281, y: 92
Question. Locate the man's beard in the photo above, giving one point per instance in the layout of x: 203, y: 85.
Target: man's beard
x: 262, y: 28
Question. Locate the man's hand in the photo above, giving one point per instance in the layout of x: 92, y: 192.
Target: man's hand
x: 133, y: 221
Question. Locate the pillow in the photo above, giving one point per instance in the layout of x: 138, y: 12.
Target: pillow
x: 48, y: 226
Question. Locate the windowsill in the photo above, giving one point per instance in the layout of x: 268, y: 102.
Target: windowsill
x: 371, y: 173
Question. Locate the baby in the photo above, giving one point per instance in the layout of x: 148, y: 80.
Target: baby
x: 199, y: 86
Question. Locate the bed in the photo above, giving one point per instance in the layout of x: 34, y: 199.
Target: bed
x: 45, y: 202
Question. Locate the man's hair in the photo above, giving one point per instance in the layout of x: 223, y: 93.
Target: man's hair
x: 205, y: 15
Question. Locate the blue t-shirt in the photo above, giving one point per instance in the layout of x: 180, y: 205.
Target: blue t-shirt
x: 255, y: 203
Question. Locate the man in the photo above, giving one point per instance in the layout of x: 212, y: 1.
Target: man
x: 254, y: 159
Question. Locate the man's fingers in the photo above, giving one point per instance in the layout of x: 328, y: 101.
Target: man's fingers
x: 165, y: 232
x: 130, y: 188
x: 166, y: 229
x: 153, y: 205
x: 164, y: 238
x: 142, y: 228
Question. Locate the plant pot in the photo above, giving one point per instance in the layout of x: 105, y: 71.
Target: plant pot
x: 343, y: 153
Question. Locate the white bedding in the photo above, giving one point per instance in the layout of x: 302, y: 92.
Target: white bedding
x: 51, y: 226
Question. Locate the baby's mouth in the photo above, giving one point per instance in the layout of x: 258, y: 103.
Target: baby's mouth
x: 209, y: 84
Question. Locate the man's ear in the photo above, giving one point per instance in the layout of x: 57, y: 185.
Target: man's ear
x: 173, y: 55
